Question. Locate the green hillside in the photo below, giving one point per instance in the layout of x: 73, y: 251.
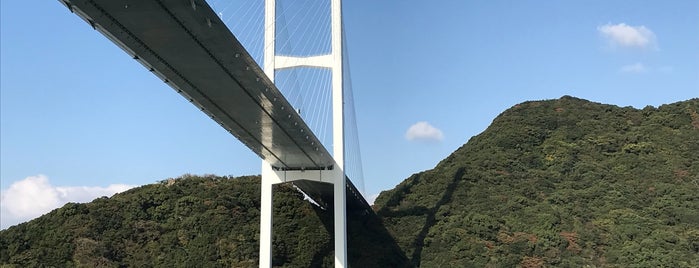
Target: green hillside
x: 192, y: 222
x: 563, y: 182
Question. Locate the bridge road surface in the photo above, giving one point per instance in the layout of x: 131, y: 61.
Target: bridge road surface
x: 186, y: 44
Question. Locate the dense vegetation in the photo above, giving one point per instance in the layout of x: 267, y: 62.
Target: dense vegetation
x: 192, y: 222
x: 563, y: 182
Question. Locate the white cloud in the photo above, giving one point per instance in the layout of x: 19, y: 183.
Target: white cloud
x: 34, y: 196
x: 623, y: 35
x: 634, y: 68
x: 423, y: 131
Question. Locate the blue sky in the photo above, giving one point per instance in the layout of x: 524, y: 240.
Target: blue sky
x: 78, y: 116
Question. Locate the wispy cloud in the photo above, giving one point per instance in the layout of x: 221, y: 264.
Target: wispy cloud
x: 634, y: 68
x: 622, y: 35
x: 423, y: 131
x: 34, y: 196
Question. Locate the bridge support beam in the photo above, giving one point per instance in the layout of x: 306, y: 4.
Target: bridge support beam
x: 270, y: 177
x: 266, y: 218
x: 340, y: 220
x: 333, y: 61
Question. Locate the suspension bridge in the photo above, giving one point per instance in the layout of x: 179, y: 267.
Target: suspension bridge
x: 289, y: 122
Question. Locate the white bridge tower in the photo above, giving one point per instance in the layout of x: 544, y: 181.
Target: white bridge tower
x: 336, y: 175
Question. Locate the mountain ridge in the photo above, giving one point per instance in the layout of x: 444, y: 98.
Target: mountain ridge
x: 526, y: 175
x: 563, y: 182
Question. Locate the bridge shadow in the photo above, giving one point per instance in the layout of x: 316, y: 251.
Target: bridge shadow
x: 418, y: 244
x: 369, y: 244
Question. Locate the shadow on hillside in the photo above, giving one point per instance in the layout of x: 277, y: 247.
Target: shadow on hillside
x: 429, y: 213
x: 369, y: 244
x: 429, y: 222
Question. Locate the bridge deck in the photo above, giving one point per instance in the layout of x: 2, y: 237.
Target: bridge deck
x: 187, y: 45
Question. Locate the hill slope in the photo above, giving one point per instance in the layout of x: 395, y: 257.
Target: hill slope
x: 563, y: 182
x: 192, y: 222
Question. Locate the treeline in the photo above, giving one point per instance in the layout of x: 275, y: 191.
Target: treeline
x: 192, y: 221
x: 566, y: 183
x: 563, y: 182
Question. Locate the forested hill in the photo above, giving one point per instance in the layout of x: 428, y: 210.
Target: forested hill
x: 192, y: 221
x: 563, y: 182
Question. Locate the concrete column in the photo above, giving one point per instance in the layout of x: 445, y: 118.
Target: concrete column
x: 268, y: 176
x: 269, y: 51
x: 266, y: 219
x: 340, y: 203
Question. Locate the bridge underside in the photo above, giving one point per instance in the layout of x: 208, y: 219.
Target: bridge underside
x: 185, y: 43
